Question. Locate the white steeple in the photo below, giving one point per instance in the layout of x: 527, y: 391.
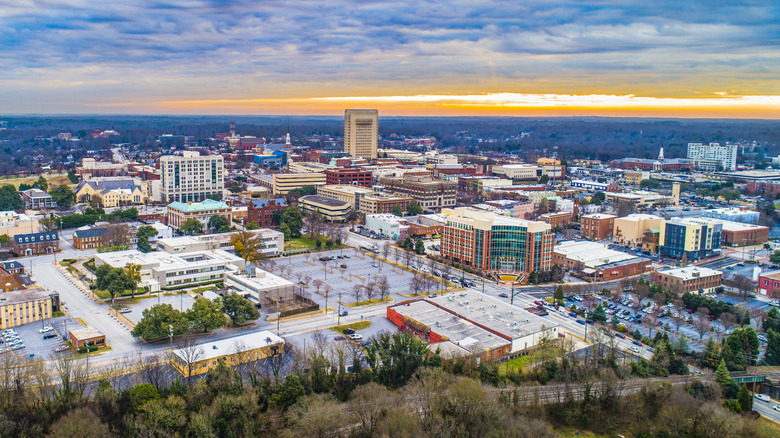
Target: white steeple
x: 661, y: 155
x: 287, y: 143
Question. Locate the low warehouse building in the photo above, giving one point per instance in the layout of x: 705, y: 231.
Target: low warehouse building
x: 696, y: 279
x: 477, y: 322
x: 597, y: 261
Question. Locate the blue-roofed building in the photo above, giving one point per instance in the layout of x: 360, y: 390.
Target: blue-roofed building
x: 36, y: 243
x: 13, y: 266
x: 268, y: 160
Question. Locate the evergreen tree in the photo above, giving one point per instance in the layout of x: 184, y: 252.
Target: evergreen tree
x: 722, y: 375
x: 559, y: 295
x: 711, y: 355
x: 599, y: 315
x: 772, y: 355
x: 744, y: 399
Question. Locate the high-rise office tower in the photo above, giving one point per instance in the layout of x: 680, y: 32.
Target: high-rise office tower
x: 361, y: 128
x: 191, y: 177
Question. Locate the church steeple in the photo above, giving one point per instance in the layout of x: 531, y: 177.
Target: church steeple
x: 661, y: 155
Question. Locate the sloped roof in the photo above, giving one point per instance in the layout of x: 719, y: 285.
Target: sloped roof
x: 208, y: 204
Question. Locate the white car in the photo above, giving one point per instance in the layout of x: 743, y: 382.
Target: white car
x: 46, y: 329
x: 635, y: 349
x: 763, y: 397
x: 776, y: 407
x: 355, y: 336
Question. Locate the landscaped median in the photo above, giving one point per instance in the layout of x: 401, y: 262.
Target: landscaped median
x: 360, y: 325
x: 370, y: 302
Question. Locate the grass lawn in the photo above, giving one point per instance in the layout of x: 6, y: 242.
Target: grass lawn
x: 523, y: 361
x: 367, y: 302
x: 52, y: 180
x: 57, y: 314
x: 107, y: 296
x: 360, y: 325
x: 298, y: 243
x: 100, y: 350
x: 198, y: 290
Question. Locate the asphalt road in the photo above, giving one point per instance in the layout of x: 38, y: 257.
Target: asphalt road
x: 766, y: 410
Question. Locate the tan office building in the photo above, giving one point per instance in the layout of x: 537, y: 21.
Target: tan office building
x: 329, y: 209
x: 630, y: 229
x: 282, y: 183
x: 361, y: 129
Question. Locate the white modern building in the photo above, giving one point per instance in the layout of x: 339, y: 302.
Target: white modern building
x: 261, y: 288
x: 272, y: 242
x: 713, y: 157
x: 733, y: 214
x: 161, y: 270
x: 388, y: 225
x: 191, y: 177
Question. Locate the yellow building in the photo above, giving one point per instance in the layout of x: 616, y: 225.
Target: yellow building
x: 26, y: 306
x: 546, y: 161
x: 629, y: 230
x: 635, y: 177
x: 113, y: 191
x: 346, y: 193
x: 199, y: 359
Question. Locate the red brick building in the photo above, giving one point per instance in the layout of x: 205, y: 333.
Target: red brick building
x: 766, y: 188
x: 597, y: 226
x: 349, y: 176
x: 261, y: 211
x: 36, y: 243
x: 559, y: 219
x: 769, y: 284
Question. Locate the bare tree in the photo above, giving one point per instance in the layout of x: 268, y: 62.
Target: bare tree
x: 189, y: 354
x: 370, y: 288
x: 417, y: 283
x: 383, y: 284
x: 702, y: 325
x: 728, y: 320
x: 407, y: 258
x: 397, y: 256
x: 650, y: 321
x: 677, y: 320
x: 277, y: 360
x: 117, y: 234
x: 385, y: 251
x: 357, y: 292
x: 151, y: 369
x: 317, y: 283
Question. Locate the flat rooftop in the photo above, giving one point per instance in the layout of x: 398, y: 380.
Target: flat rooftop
x: 323, y: 200
x: 167, y: 261
x: 690, y: 272
x: 223, y: 347
x: 591, y: 254
x: 24, y: 296
x: 473, y: 320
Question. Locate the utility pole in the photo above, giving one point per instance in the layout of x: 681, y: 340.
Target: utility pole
x: 338, y: 321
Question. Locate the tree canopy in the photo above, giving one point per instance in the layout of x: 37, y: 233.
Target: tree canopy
x: 156, y: 321
x: 239, y: 309
x: 10, y: 199
x: 191, y: 227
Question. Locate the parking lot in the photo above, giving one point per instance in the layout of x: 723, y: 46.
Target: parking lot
x: 33, y: 340
x: 719, y: 264
x: 342, y: 274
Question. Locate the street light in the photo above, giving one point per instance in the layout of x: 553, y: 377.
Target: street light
x: 170, y: 338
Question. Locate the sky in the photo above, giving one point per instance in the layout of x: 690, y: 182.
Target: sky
x: 652, y: 58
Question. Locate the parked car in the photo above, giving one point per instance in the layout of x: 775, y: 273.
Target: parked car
x: 61, y: 348
x: 579, y: 321
x: 572, y: 314
x: 339, y: 338
x: 49, y: 335
x: 343, y: 266
x: 355, y: 336
x: 125, y: 310
x: 503, y: 295
x: 46, y: 329
x: 348, y: 331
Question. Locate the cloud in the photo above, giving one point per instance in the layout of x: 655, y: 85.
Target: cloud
x: 181, y: 49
